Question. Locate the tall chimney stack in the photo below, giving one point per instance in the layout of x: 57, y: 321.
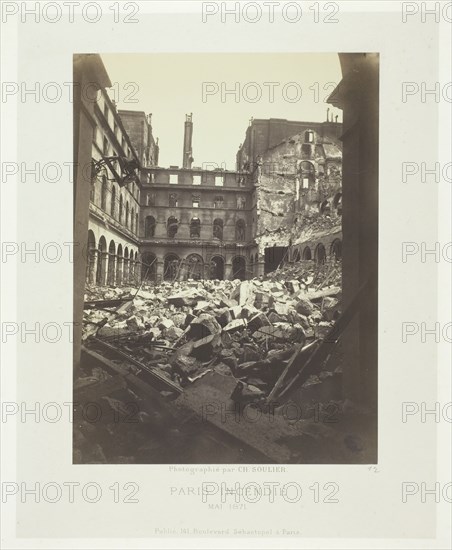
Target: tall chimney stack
x: 187, y: 158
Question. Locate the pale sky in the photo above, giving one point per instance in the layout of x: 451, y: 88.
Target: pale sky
x: 171, y: 85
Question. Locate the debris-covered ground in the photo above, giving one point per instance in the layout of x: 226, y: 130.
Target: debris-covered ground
x: 179, y: 354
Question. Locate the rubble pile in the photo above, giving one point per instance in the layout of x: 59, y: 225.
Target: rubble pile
x: 309, y: 273
x: 245, y: 329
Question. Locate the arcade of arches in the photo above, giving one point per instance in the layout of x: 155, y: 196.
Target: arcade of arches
x: 111, y: 264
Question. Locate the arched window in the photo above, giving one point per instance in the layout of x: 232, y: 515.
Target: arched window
x: 149, y: 266
x: 240, y: 231
x: 149, y: 226
x: 217, y: 268
x: 172, y: 225
x: 336, y: 249
x: 307, y: 170
x: 127, y: 214
x: 239, y: 268
x: 121, y: 208
x: 136, y: 224
x: 337, y: 203
x: 171, y: 267
x: 103, y: 198
x: 296, y: 255
x: 307, y: 255
x: 132, y: 219
x: 320, y: 254
x: 195, y: 266
x: 309, y: 136
x: 324, y: 207
x: 195, y: 228
x: 218, y: 229
x: 113, y: 201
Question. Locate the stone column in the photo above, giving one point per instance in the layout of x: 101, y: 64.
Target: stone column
x: 104, y: 258
x: 260, y: 268
x: 111, y: 270
x: 159, y: 271
x: 125, y: 273
x: 119, y: 268
x: 138, y: 272
x: 228, y: 271
x: 92, y: 265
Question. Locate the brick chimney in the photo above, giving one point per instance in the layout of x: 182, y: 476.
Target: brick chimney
x: 187, y: 158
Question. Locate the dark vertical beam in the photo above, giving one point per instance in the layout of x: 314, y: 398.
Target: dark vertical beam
x: 89, y: 77
x: 358, y: 96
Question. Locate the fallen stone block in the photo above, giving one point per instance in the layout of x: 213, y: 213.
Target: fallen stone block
x: 155, y: 333
x: 304, y: 306
x: 297, y: 318
x: 281, y: 308
x: 174, y: 333
x: 224, y: 317
x: 317, y: 295
x: 250, y: 353
x: 263, y: 300
x: 134, y: 323
x: 244, y: 393
x: 243, y: 293
x: 203, y: 325
x: 273, y: 317
x: 293, y: 286
x: 165, y: 324
x: 258, y: 321
x: 201, y: 305
x: 248, y: 311
x: 179, y: 319
x: 236, y: 312
x: 236, y: 324
x: 322, y: 329
x: 146, y: 295
x: 227, y: 302
x: 181, y: 300
x: 186, y: 364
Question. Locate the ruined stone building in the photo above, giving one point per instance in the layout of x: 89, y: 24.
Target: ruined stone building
x: 298, y: 182
x: 195, y: 223
x: 281, y: 204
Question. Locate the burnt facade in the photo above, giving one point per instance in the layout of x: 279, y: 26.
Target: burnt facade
x: 298, y: 191
x: 195, y: 224
x: 282, y: 205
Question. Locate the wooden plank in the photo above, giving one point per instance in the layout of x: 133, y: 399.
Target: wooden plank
x: 101, y: 304
x: 321, y: 354
x: 136, y: 384
x: 294, y: 360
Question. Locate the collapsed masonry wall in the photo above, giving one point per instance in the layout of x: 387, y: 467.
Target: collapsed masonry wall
x: 299, y: 184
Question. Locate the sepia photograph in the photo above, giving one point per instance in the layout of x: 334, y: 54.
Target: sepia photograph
x: 226, y: 265
x: 226, y: 297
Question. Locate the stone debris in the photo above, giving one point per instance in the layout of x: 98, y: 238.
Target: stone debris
x: 247, y: 332
x: 246, y: 329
